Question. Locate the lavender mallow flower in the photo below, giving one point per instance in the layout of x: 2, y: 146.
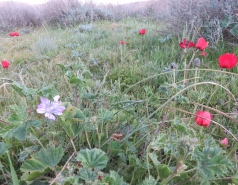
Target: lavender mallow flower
x: 50, y: 108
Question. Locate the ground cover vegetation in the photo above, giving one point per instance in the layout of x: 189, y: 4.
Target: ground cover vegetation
x: 142, y: 94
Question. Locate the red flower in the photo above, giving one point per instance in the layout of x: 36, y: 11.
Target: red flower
x: 203, y: 54
x: 5, y: 64
x: 121, y: 42
x: 203, y: 118
x: 201, y: 44
x: 227, y: 60
x: 12, y: 34
x: 186, y: 44
x: 224, y: 142
x: 142, y: 31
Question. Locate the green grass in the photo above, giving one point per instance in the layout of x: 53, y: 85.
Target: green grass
x: 111, y: 89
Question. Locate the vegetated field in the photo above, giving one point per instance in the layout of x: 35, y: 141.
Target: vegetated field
x: 128, y: 116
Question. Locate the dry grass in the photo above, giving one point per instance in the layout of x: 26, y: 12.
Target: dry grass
x: 70, y: 13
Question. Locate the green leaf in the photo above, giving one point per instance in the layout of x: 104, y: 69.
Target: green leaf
x: 16, y: 119
x: 19, y: 113
x: 32, y: 166
x: 88, y: 96
x: 130, y: 147
x: 4, y: 147
x: 13, y: 172
x: 50, y: 156
x: 94, y: 158
x: 211, y: 162
x: 26, y: 152
x: 28, y: 176
x: 87, y: 175
x: 114, y: 179
x: 75, y: 80
x: 18, y: 130
x: 235, y: 179
x: 70, y: 121
x: 178, y: 125
x: 48, y: 92
x: 8, y: 132
x: 205, y: 181
x: 42, y: 162
x: 79, y: 114
x: 62, y: 67
x: 164, y: 171
x: 72, y: 127
x: 105, y: 116
x: 158, y: 143
x: 149, y: 181
x: 69, y: 112
x: 154, y: 157
x: 234, y: 30
x: 22, y: 90
x: 115, y: 147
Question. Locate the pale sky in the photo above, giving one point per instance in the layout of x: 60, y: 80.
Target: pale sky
x: 95, y: 1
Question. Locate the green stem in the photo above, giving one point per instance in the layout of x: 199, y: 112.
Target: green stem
x: 174, y: 76
x: 71, y: 140
x: 188, y: 67
x: 147, y: 159
x: 121, y: 52
x: 99, y: 138
x: 195, y: 79
x: 191, y: 170
x: 185, y: 67
x: 233, y: 150
x: 3, y: 172
x: 37, y: 137
x: 86, y: 133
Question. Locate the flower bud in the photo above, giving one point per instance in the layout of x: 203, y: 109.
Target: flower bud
x: 173, y: 65
x: 224, y: 142
x: 196, y: 62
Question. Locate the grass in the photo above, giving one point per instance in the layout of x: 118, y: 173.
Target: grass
x: 121, y: 99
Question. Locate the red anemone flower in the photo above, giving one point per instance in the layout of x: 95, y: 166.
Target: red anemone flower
x: 5, y: 64
x: 203, y: 54
x: 203, y: 118
x: 224, y: 142
x: 142, y: 31
x: 201, y: 44
x: 12, y: 34
x: 186, y: 44
x: 227, y: 61
x: 121, y: 42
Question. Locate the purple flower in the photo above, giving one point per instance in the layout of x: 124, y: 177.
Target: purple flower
x: 50, y: 108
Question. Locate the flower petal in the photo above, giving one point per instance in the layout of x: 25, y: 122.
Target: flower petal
x: 58, y: 110
x: 44, y: 101
x: 41, y: 109
x: 56, y: 98
x: 50, y: 116
x: 201, y: 44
